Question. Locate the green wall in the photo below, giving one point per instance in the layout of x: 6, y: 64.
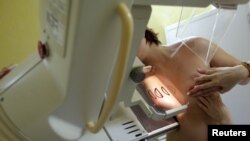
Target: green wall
x: 162, y: 16
x: 19, y: 30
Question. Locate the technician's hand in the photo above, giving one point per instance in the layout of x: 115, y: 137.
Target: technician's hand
x: 4, y: 71
x: 220, y: 79
x: 214, y: 109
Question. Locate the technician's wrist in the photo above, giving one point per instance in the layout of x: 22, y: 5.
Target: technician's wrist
x: 246, y: 66
x: 242, y: 72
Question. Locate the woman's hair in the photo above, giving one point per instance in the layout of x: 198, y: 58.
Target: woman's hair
x: 151, y: 37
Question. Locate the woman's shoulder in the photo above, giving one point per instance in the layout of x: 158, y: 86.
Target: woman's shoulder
x: 195, y: 41
x: 199, y: 44
x: 192, y: 42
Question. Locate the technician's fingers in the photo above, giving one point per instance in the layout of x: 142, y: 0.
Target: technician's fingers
x: 205, y: 92
x: 198, y: 88
x: 208, y: 99
x: 207, y: 72
x: 204, y: 101
x: 202, y: 79
x: 203, y: 106
x: 203, y: 86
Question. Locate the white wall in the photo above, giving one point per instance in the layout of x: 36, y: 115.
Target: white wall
x: 236, y: 41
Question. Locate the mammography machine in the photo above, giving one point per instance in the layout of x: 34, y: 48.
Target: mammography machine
x: 80, y: 80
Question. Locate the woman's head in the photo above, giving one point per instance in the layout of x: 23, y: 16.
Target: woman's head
x: 150, y: 38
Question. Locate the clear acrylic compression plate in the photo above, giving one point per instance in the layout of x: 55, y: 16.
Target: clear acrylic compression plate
x: 211, y: 25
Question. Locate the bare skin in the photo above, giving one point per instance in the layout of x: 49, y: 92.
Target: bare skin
x: 178, y: 64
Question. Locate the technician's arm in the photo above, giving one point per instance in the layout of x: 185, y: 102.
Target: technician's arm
x: 226, y: 71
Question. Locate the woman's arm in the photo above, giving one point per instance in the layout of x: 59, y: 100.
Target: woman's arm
x: 223, y: 59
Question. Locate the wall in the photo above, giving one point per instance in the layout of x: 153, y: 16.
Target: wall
x: 163, y: 16
x: 19, y: 30
x: 237, y: 42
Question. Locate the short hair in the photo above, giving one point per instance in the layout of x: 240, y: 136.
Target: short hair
x: 151, y: 37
